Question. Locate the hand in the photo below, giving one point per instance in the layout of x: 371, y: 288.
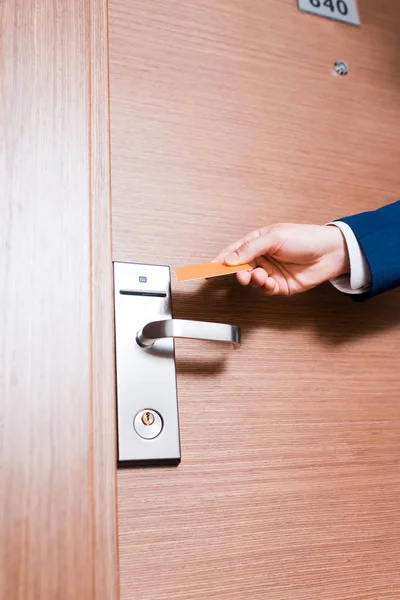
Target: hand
x: 288, y: 259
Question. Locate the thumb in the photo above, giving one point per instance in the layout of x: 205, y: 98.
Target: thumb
x: 251, y: 249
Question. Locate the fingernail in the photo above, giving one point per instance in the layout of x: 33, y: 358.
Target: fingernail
x: 232, y: 259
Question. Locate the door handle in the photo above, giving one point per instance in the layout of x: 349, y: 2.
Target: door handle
x: 179, y: 328
x: 147, y: 403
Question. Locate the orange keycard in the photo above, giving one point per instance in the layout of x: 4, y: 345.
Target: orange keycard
x: 208, y: 270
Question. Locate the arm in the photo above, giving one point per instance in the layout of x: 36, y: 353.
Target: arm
x: 360, y: 255
x: 378, y: 236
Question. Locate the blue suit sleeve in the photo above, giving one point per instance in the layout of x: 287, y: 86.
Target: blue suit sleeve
x: 378, y: 233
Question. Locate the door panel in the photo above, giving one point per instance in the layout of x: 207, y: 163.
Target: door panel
x: 227, y: 116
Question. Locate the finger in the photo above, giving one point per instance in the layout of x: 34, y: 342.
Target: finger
x: 258, y: 277
x: 271, y: 287
x: 244, y: 277
x: 253, y: 248
x: 233, y: 247
x: 226, y: 251
x: 265, y: 263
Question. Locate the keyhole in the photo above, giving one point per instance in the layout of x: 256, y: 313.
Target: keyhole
x: 148, y: 424
x: 148, y: 418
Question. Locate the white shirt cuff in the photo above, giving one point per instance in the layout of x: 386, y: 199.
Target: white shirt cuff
x: 359, y: 280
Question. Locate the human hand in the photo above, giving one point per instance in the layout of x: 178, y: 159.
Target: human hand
x: 288, y: 259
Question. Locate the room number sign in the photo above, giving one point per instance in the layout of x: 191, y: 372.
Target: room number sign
x: 340, y: 10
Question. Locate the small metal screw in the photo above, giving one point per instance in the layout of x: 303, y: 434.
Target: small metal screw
x: 341, y: 67
x: 147, y: 418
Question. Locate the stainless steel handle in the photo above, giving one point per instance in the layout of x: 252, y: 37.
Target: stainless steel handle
x: 178, y: 328
x: 147, y: 403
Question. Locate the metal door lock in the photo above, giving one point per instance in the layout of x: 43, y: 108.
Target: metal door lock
x: 148, y: 418
x: 145, y: 363
x: 148, y: 424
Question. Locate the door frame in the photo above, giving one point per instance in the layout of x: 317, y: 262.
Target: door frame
x: 104, y: 432
x: 57, y: 433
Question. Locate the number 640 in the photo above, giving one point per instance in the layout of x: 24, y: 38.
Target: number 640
x: 339, y: 5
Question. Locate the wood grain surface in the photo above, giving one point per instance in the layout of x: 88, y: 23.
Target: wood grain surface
x: 57, y: 441
x: 226, y: 116
x: 103, y: 416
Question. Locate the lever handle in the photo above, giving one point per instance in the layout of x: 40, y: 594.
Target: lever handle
x: 179, y: 328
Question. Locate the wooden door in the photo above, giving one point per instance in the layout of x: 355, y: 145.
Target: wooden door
x: 57, y: 427
x: 225, y: 116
